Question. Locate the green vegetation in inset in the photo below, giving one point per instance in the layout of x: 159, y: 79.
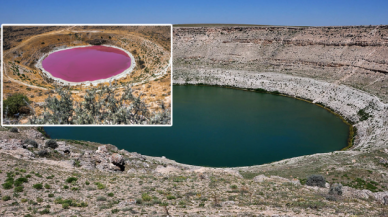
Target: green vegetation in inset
x: 6, y: 198
x: 38, y: 186
x: 100, y: 185
x: 146, y: 197
x: 14, y: 102
x: 71, y: 179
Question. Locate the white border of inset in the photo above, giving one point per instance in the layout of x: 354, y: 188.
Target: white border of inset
x: 87, y: 125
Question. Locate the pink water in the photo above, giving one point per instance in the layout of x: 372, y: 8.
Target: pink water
x: 86, y: 63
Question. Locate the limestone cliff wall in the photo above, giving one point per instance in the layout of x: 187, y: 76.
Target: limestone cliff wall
x: 344, y: 68
x: 356, y: 56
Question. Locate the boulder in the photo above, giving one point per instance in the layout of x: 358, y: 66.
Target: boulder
x: 118, y: 161
x: 228, y: 203
x: 34, y: 134
x: 125, y: 203
x: 260, y: 178
x: 63, y: 148
x: 102, y: 149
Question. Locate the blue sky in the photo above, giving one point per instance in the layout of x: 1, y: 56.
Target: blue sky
x: 282, y: 12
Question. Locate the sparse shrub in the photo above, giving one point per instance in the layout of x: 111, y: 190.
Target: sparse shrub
x: 23, y: 200
x: 7, y: 185
x: 22, y: 179
x: 50, y: 195
x: 110, y: 194
x: 39, y: 200
x: 87, y: 183
x: 331, y: 198
x: 363, y: 115
x: 71, y: 179
x: 234, y: 187
x: 171, y: 197
x: 66, y: 187
x: 146, y: 197
x: 316, y: 180
x: 101, y: 198
x: 47, y: 186
x: 18, y: 189
x: 115, y: 211
x: 77, y: 163
x: 336, y: 189
x: 100, y: 185
x: 31, y: 142
x: 6, y: 198
x: 74, y: 189
x: 43, y: 153
x: 38, y: 186
x: 13, y: 103
x: 65, y: 205
x: 45, y: 211
x: 139, y: 201
x: 52, y: 144
x: 14, y: 130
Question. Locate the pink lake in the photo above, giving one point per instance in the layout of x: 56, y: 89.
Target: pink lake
x: 87, y: 63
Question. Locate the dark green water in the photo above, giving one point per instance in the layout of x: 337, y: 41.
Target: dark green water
x: 222, y: 127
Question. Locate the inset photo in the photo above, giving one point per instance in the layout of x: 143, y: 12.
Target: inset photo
x: 86, y: 75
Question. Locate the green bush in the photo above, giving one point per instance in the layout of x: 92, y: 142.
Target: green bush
x: 7, y: 185
x: 316, y: 180
x: 45, y: 211
x: 111, y: 194
x: 65, y: 205
x: 22, y: 179
x: 87, y: 183
x: 50, y: 195
x: 66, y: 187
x: 6, y: 198
x: 47, y: 186
x: 99, y: 185
x: 38, y: 186
x: 43, y: 153
x: 171, y: 197
x: 14, y: 130
x: 71, y: 179
x: 52, y: 144
x: 14, y: 103
x: 18, y: 189
x: 31, y: 142
x: 146, y: 197
x: 101, y: 198
x: 335, y: 189
x: 39, y: 200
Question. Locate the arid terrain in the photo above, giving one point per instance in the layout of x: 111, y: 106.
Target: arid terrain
x: 24, y: 46
x: 343, y: 69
